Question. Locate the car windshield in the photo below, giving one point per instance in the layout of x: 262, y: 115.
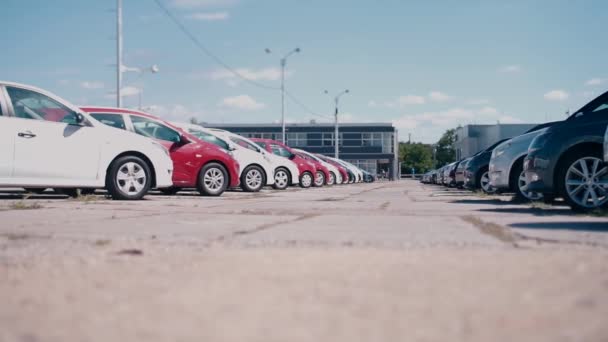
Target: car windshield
x: 496, y: 144
x: 598, y: 106
x: 539, y: 127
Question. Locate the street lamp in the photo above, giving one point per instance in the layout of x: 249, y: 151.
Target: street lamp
x: 154, y: 69
x: 283, y: 64
x: 336, y: 101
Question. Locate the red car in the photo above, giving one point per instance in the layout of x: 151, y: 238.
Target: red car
x: 196, y: 163
x: 342, y: 169
x: 322, y: 174
x: 306, y: 168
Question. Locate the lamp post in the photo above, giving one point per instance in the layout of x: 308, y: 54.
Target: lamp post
x: 337, y: 102
x: 283, y: 64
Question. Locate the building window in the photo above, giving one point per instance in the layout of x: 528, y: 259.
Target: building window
x: 296, y: 139
x: 371, y: 139
x: 328, y: 139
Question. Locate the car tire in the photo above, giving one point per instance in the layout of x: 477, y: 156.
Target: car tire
x: 518, y: 181
x: 483, y: 181
x: 319, y: 179
x: 252, y: 179
x: 129, y: 178
x: 332, y: 179
x: 306, y: 180
x: 212, y: 180
x: 170, y: 191
x: 282, y: 179
x: 579, y: 180
x: 36, y: 191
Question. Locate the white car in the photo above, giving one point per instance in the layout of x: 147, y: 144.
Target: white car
x: 352, y: 168
x: 334, y: 173
x: 46, y: 142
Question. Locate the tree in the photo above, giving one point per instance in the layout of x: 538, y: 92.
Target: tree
x: 417, y: 156
x: 445, y: 152
x: 194, y: 121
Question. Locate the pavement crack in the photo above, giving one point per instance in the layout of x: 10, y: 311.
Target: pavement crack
x: 497, y: 231
x: 265, y: 226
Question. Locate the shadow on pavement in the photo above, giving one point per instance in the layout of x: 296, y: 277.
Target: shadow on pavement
x: 577, y: 226
x: 533, y: 211
x: 489, y: 201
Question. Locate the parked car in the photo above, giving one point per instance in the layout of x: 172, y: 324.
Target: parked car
x: 286, y: 172
x: 450, y: 174
x: 357, y: 172
x: 507, y: 162
x: 477, y: 170
x: 46, y: 142
x: 306, y: 169
x: 566, y: 160
x: 197, y: 164
x: 459, y: 173
x: 606, y: 146
x: 368, y: 177
x: 343, y: 172
x: 324, y: 175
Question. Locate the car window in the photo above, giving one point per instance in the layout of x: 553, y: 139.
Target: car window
x: 244, y: 143
x: 280, y: 150
x: 113, y: 120
x: 28, y: 104
x: 152, y: 129
x: 262, y: 144
x: 209, y: 138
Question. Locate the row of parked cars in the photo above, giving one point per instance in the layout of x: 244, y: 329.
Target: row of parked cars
x: 46, y: 142
x: 566, y: 159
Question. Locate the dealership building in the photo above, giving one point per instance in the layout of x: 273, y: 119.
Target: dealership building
x: 373, y: 147
x: 471, y: 139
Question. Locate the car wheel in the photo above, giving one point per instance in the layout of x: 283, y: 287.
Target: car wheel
x: 519, y: 183
x: 281, y: 179
x: 306, y: 180
x: 584, y: 180
x: 35, y: 190
x: 252, y: 179
x: 483, y: 181
x: 129, y: 178
x: 320, y: 179
x: 332, y: 179
x: 212, y: 180
x: 170, y: 190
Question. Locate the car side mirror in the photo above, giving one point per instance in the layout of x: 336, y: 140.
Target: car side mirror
x: 292, y: 156
x: 79, y: 120
x: 183, y: 140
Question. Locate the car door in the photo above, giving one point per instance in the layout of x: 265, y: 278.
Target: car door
x: 181, y: 154
x: 8, y: 131
x: 51, y: 148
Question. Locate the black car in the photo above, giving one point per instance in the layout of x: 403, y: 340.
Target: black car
x: 476, y: 173
x: 566, y: 161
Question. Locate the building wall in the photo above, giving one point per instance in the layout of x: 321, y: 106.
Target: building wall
x: 371, y: 147
x: 471, y: 139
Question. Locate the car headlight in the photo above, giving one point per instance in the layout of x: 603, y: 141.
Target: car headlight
x: 161, y: 147
x: 538, y: 142
x: 498, y: 151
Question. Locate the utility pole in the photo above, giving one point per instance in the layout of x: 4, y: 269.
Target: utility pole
x: 409, y: 138
x: 336, y: 131
x: 283, y: 65
x: 118, y: 53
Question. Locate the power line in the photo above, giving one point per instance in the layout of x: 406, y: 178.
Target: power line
x: 207, y: 51
x: 304, y: 107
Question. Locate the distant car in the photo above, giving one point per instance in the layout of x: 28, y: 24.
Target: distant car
x: 368, y: 177
x: 567, y: 160
x: 459, y: 173
x: 46, y: 142
x: 507, y: 162
x: 286, y: 173
x: 324, y: 175
x: 343, y: 171
x: 606, y: 145
x: 197, y: 164
x: 477, y: 171
x: 450, y: 174
x: 306, y: 169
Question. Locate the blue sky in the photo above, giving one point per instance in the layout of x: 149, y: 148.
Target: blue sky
x: 425, y: 65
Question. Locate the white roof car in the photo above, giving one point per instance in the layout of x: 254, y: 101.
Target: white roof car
x: 357, y: 171
x: 334, y: 174
x: 46, y: 142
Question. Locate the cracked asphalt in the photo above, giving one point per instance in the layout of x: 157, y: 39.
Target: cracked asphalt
x: 397, y: 261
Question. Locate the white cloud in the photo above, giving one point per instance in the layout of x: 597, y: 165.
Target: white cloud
x: 595, y: 81
x: 372, y: 104
x: 242, y: 102
x: 556, y: 95
x: 64, y: 82
x: 265, y: 74
x: 209, y: 16
x: 507, y: 119
x: 92, y: 85
x: 508, y: 69
x: 126, y: 92
x: 176, y: 112
x: 202, y: 3
x: 405, y: 100
x: 437, y: 96
x: 488, y: 111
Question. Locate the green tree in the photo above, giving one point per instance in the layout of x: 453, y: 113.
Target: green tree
x: 415, y: 155
x: 445, y: 152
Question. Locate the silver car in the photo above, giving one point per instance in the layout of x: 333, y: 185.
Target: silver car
x: 506, y: 165
x: 459, y: 177
x: 606, y: 146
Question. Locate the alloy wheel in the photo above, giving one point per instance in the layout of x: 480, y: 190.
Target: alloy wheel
x: 213, y: 179
x: 320, y: 179
x: 254, y: 179
x: 522, y: 183
x: 331, y: 179
x: 485, y: 183
x: 281, y: 178
x: 131, y: 178
x: 587, y: 182
x: 306, y: 180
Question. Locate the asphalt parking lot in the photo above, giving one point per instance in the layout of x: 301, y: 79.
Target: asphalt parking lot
x: 369, y: 262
